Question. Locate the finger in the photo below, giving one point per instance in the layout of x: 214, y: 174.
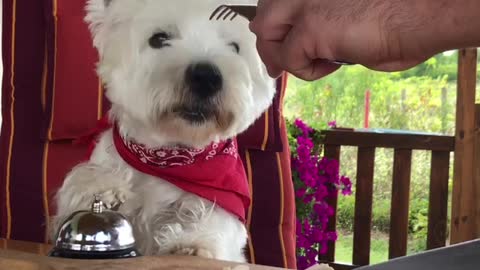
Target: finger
x: 300, y: 55
x: 268, y: 51
x: 317, y: 70
x: 272, y: 55
x: 294, y: 50
x: 273, y: 15
x: 393, y: 66
x: 276, y: 32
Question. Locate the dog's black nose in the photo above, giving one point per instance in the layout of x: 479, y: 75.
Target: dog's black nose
x: 204, y: 79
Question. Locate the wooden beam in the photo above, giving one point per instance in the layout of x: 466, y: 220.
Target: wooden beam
x: 388, y: 140
x: 438, y: 200
x: 402, y: 166
x: 362, y: 226
x: 476, y: 181
x: 463, y: 226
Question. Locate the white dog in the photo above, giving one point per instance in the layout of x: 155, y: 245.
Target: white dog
x: 181, y: 88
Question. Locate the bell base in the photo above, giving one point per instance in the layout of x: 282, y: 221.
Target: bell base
x: 94, y: 255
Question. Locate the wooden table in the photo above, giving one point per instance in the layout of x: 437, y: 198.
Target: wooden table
x: 17, y: 255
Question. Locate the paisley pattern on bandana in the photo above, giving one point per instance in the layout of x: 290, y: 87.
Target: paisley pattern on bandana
x: 179, y: 156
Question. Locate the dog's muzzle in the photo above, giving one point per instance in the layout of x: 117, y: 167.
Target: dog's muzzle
x: 204, y: 80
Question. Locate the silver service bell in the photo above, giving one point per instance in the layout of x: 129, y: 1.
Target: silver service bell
x: 95, y: 234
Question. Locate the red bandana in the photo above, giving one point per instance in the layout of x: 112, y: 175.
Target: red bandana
x: 215, y: 173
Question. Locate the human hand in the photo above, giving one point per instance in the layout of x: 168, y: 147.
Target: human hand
x: 297, y: 36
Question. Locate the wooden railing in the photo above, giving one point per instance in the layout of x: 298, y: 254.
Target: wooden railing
x: 402, y: 144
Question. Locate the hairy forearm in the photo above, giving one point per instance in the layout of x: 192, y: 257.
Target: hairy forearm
x: 462, y: 21
x: 442, y: 25
x: 387, y: 35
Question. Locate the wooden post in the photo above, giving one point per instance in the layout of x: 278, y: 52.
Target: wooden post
x: 464, y: 199
x: 402, y: 168
x: 476, y: 178
x: 438, y: 199
x: 363, y: 206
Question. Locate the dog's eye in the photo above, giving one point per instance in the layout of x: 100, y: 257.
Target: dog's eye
x: 159, y: 40
x: 235, y: 46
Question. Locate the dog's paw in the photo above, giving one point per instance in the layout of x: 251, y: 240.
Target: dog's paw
x: 114, y: 198
x: 200, y: 252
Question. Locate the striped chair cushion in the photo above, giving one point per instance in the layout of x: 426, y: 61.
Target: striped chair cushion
x: 51, y: 95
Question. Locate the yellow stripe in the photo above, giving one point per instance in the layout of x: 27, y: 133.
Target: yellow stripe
x: 265, y: 136
x: 52, y: 115
x: 45, y: 191
x: 282, y: 96
x: 100, y: 100
x: 44, y: 76
x: 249, y: 217
x: 45, y: 155
x: 12, y: 125
x: 50, y: 128
x: 283, y: 92
x: 282, y: 206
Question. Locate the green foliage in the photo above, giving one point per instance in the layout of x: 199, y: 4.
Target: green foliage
x: 394, y: 100
x: 381, y: 216
x: 418, y: 224
x: 345, y: 213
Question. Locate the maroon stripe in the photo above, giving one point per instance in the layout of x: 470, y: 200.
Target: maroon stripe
x: 266, y: 212
x: 26, y: 164
x: 6, y: 101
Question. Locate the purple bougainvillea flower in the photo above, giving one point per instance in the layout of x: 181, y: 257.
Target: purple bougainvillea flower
x: 316, y: 180
x: 300, y: 193
x: 302, y: 126
x: 308, y: 199
x: 332, y: 236
x: 317, y: 235
x: 323, y: 247
x: 346, y: 185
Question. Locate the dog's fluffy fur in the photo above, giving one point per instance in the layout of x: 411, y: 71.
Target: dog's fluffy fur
x: 145, y: 85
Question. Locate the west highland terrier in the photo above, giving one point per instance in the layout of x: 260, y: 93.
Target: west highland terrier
x: 181, y: 87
